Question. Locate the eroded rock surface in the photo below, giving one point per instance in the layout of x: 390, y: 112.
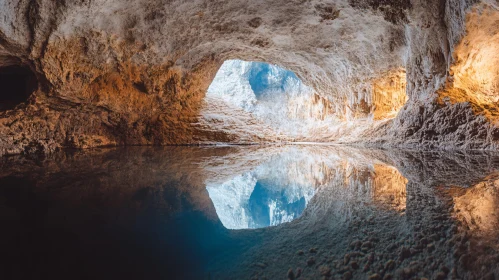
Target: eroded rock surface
x: 135, y: 72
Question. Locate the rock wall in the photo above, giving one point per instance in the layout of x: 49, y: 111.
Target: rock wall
x: 440, y: 114
x: 135, y: 72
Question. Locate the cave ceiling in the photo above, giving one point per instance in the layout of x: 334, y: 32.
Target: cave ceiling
x: 135, y: 72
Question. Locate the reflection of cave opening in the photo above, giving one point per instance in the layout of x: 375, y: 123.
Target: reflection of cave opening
x: 268, y: 207
x: 252, y: 201
x: 16, y: 85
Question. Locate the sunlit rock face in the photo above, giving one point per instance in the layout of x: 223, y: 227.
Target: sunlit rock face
x: 444, y: 78
x: 389, y: 95
x: 136, y: 72
x: 474, y: 74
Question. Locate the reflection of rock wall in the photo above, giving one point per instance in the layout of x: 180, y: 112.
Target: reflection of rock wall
x: 435, y: 168
x: 354, y: 189
x: 352, y: 184
x: 389, y: 187
x: 478, y: 208
x: 134, y: 180
x: 137, y: 178
x: 477, y: 213
x: 348, y: 230
x: 351, y: 224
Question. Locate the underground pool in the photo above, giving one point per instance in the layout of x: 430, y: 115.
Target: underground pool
x: 259, y: 140
x: 248, y: 212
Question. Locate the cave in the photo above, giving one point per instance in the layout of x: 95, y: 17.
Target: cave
x: 381, y: 75
x: 17, y: 84
x: 233, y: 139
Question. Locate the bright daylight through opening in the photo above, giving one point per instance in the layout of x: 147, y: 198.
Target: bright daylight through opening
x: 257, y: 101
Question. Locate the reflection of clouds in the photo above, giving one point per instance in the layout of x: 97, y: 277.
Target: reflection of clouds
x: 266, y: 196
x: 231, y: 200
x: 292, y: 176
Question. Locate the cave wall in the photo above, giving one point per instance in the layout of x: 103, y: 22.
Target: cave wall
x: 440, y: 114
x: 135, y: 72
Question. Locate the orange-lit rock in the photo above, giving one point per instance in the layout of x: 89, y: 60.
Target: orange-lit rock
x: 135, y: 72
x: 474, y: 75
x: 389, y: 187
x: 389, y: 95
x: 477, y: 207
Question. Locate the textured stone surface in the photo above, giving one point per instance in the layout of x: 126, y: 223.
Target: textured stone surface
x: 135, y: 72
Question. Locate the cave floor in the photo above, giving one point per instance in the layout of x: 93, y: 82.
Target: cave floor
x: 250, y: 212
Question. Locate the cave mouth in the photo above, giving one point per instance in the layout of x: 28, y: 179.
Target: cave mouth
x: 248, y: 84
x: 257, y: 101
x: 17, y: 83
x: 263, y: 99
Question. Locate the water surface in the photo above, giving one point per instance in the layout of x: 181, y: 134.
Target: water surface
x: 249, y: 213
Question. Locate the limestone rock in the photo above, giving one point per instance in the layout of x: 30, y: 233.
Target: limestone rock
x: 135, y: 72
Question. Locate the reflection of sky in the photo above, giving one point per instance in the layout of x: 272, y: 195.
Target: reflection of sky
x: 270, y: 208
x: 250, y: 201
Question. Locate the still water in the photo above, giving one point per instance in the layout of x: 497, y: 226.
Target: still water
x: 286, y: 212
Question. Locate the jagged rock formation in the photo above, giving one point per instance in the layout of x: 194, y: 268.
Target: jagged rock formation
x: 135, y: 72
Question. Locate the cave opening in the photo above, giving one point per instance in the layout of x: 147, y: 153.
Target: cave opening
x: 273, y: 103
x: 264, y: 99
x: 17, y: 83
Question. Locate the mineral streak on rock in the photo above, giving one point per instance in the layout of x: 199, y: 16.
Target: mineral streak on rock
x: 135, y: 72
